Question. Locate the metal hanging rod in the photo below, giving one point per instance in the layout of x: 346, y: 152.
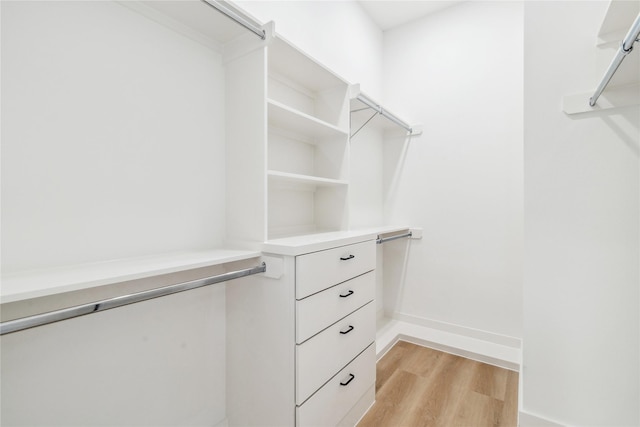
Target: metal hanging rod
x: 626, y: 46
x: 379, y: 110
x: 227, y: 9
x: 381, y: 240
x: 107, y: 304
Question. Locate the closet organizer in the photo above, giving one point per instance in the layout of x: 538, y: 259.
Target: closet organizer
x: 301, y: 331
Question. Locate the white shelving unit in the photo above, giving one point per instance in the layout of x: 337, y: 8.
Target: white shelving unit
x: 307, y: 144
x: 297, y: 171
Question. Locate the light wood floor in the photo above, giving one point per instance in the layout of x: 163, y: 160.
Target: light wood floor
x: 417, y: 386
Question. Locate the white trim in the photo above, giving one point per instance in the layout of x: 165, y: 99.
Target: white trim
x: 478, y: 334
x: 526, y: 419
x: 391, y: 331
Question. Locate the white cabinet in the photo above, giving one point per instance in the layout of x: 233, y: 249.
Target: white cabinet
x: 335, y: 326
x: 302, y: 341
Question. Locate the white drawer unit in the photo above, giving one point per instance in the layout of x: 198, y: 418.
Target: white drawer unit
x: 322, y: 356
x: 335, y: 332
x: 306, y: 352
x: 329, y: 405
x: 320, y: 310
x: 319, y: 270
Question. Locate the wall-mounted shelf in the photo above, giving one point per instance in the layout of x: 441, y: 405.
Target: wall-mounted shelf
x: 365, y: 111
x: 195, y: 19
x: 621, y: 81
x: 32, y: 284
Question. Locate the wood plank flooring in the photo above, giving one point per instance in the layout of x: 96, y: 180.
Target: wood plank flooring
x: 418, y: 386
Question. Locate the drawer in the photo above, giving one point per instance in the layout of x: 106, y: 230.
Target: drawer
x: 320, y: 310
x: 336, y: 398
x: 320, y: 270
x: 320, y: 357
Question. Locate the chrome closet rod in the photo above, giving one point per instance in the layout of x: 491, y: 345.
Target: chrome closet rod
x: 227, y: 9
x: 107, y: 304
x: 626, y: 46
x: 383, y: 112
x: 381, y: 240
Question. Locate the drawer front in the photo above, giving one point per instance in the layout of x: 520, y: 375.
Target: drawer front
x: 320, y: 270
x: 318, y: 311
x: 336, y: 398
x: 320, y: 357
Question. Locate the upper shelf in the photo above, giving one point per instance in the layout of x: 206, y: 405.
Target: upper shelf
x: 617, y: 20
x: 367, y: 112
x: 195, y: 19
x: 33, y: 284
x: 287, y: 61
x: 621, y: 67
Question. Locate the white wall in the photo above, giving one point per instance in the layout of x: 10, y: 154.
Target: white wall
x: 581, y: 281
x: 112, y: 147
x: 458, y: 72
x: 112, y: 136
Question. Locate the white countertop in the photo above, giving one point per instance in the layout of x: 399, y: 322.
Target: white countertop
x: 307, y: 243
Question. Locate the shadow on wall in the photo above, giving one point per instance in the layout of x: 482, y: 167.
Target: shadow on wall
x: 396, y: 148
x: 396, y: 263
x: 624, y: 130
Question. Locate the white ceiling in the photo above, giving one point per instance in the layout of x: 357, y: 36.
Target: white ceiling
x: 388, y: 14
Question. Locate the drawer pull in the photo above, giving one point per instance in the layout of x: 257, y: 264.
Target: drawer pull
x: 347, y: 294
x: 346, y: 258
x: 349, y: 329
x: 349, y: 380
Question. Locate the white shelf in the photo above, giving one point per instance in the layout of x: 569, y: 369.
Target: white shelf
x: 298, y: 245
x: 624, y: 88
x: 361, y: 112
x: 285, y: 117
x: 288, y: 61
x: 305, y: 179
x: 39, y: 283
x: 617, y: 21
x: 193, y: 19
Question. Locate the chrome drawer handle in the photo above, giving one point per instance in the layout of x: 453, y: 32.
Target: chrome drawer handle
x: 347, y: 294
x: 349, y: 380
x: 349, y: 329
x: 347, y: 257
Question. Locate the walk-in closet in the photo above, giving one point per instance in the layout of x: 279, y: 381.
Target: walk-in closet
x: 320, y: 213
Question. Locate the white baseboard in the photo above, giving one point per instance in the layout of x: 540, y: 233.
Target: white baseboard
x: 498, y: 354
x: 479, y: 334
x: 526, y: 419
